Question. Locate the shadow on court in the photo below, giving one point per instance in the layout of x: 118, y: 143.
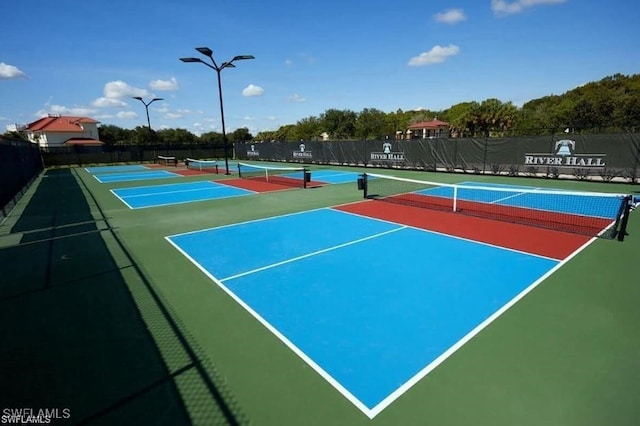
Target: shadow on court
x: 82, y: 329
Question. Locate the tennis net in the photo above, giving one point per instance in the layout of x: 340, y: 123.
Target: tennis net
x: 166, y: 160
x: 587, y: 213
x: 210, y: 166
x: 286, y: 176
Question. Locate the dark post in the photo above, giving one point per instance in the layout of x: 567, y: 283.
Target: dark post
x: 146, y: 107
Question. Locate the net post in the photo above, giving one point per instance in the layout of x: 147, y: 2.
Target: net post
x: 304, y: 177
x: 363, y: 178
x: 455, y: 198
x: 622, y: 232
x: 239, y: 171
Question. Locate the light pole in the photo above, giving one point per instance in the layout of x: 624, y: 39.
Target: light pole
x: 218, y: 68
x: 146, y: 107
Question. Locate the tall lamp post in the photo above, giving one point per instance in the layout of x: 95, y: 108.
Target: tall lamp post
x: 146, y: 107
x: 218, y: 68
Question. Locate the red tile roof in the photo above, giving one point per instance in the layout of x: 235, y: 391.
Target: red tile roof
x: 59, y: 124
x: 433, y: 124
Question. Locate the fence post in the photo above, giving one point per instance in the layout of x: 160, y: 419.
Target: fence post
x: 484, y: 155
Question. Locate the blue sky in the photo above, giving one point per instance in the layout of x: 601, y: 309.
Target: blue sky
x: 89, y: 58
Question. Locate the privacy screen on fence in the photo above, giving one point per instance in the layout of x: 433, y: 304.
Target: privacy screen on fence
x: 20, y: 162
x: 580, y: 155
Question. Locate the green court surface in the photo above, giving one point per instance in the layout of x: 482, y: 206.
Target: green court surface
x: 101, y: 315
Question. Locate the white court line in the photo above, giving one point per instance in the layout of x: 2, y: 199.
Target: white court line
x: 430, y: 231
x: 446, y: 354
x: 151, y: 194
x: 288, y: 343
x: 315, y: 253
x: 250, y: 221
x: 371, y: 413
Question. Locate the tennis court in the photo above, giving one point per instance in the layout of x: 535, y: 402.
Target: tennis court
x: 372, y: 337
x: 117, y: 169
x: 134, y: 175
x: 176, y: 193
x: 317, y: 306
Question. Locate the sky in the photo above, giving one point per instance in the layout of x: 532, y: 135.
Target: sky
x: 89, y: 58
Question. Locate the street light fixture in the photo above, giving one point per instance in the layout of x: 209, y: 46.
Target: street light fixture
x: 146, y: 107
x: 218, y: 68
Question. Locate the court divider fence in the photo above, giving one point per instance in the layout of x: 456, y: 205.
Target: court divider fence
x: 115, y: 154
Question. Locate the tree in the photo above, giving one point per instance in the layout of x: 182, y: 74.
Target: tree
x: 240, y: 135
x: 306, y: 129
x: 339, y: 124
x: 211, y: 138
x: 371, y: 123
x: 177, y: 137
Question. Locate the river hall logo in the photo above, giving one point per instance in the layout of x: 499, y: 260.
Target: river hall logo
x: 302, y: 152
x: 252, y: 152
x: 388, y: 154
x: 565, y: 155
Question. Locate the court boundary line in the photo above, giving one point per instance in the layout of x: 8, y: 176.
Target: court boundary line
x: 465, y: 339
x: 86, y: 169
x: 315, y: 253
x: 172, y: 175
x: 288, y: 343
x: 214, y: 186
x: 470, y: 184
x: 404, y: 387
x: 248, y: 221
x: 455, y: 236
x: 180, y: 202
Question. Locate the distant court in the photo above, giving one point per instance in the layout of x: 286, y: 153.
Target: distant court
x: 176, y: 193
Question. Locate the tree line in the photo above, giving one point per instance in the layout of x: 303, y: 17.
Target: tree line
x: 609, y: 105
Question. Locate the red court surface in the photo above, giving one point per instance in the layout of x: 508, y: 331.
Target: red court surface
x: 543, y: 242
x: 263, y: 186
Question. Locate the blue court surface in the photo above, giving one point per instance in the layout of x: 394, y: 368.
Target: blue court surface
x: 593, y: 205
x: 135, y: 175
x: 372, y: 306
x: 176, y: 193
x: 117, y: 169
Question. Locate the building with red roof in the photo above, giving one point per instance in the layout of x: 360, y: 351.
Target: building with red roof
x: 59, y: 130
x: 428, y: 129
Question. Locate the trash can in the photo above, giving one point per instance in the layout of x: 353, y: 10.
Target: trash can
x: 307, y: 176
x: 361, y: 184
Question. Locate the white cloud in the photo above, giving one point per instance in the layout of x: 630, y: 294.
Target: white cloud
x: 451, y: 16
x: 297, y: 98
x: 164, y: 85
x: 503, y: 7
x: 436, y: 55
x: 253, y: 90
x: 119, y: 89
x: 108, y: 102
x: 127, y: 115
x: 63, y: 110
x: 9, y: 71
x: 173, y: 115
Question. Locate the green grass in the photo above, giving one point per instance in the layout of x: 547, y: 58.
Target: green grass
x: 103, y: 316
